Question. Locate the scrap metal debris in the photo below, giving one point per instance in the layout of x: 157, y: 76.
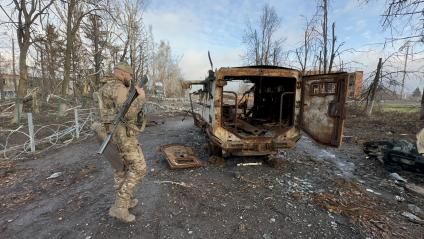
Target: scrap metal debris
x: 55, y: 175
x: 396, y: 154
x: 397, y: 177
x: 182, y: 184
x: 372, y: 191
x: 415, y: 189
x: 411, y: 217
x: 179, y: 156
x: 249, y: 164
x: 415, y: 209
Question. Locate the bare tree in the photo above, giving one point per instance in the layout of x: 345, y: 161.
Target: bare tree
x: 303, y: 53
x: 333, y: 44
x: 50, y: 49
x: 263, y: 48
x: 399, y: 14
x: 385, y: 79
x: 97, y: 33
x: 405, y: 64
x: 326, y: 56
x: 26, y: 13
x: 167, y: 71
x: 324, y: 25
x: 133, y: 35
x: 76, y: 11
x: 2, y: 81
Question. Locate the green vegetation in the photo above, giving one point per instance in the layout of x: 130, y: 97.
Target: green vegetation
x: 403, y: 108
x: 406, y: 107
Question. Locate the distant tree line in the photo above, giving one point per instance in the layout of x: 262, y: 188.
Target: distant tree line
x: 70, y: 45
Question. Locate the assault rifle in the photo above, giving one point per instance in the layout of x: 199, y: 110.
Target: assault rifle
x: 121, y: 114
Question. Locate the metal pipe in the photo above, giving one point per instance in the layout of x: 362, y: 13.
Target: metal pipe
x: 281, y: 104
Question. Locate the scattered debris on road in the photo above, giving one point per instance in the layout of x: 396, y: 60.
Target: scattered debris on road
x: 182, y: 184
x: 411, y: 217
x: 397, y: 177
x: 55, y: 175
x: 249, y: 164
x: 318, y: 191
x: 415, y: 189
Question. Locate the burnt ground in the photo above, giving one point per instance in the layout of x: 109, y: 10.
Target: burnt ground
x: 316, y: 192
x: 382, y: 125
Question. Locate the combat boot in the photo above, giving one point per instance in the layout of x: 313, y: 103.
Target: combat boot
x: 122, y: 214
x: 133, y: 203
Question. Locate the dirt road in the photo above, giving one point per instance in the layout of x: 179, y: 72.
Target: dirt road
x: 318, y: 192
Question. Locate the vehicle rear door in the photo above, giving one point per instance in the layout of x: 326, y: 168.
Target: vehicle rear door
x: 322, y: 110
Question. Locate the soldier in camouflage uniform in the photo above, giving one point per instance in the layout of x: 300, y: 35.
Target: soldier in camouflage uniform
x: 111, y: 96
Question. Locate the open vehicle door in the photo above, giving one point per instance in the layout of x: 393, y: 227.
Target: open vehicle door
x: 322, y: 110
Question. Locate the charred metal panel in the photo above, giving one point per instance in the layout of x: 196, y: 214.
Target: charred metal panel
x: 179, y: 156
x: 335, y: 109
x: 323, y: 101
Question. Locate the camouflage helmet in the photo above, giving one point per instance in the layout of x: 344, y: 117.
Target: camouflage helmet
x: 123, y: 66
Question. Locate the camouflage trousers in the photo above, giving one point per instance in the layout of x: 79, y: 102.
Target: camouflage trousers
x: 134, y: 166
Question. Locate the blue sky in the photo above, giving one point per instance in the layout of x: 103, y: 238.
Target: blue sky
x: 194, y: 27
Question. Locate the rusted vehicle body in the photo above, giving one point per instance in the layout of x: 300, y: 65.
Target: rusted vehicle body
x: 269, y: 114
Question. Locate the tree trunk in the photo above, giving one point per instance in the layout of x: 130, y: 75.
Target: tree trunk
x: 51, y: 71
x: 333, y: 45
x: 306, y: 51
x: 23, y: 83
x: 320, y: 62
x: 373, y: 90
x: 68, y: 50
x: 15, y: 84
x: 23, y: 72
x: 68, y: 53
x: 402, y: 92
x: 2, y: 81
x: 325, y: 35
x: 43, y: 73
x: 97, y: 52
x: 422, y: 106
x: 124, y: 53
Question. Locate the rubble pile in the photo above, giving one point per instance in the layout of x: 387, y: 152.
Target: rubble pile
x: 167, y: 105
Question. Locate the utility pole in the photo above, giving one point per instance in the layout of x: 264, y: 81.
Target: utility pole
x: 402, y: 92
